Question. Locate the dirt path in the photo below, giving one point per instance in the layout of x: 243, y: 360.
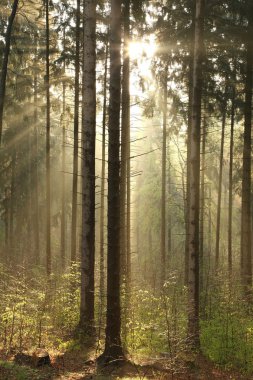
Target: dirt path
x: 76, y: 366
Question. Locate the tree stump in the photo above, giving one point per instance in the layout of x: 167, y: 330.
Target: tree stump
x: 39, y: 358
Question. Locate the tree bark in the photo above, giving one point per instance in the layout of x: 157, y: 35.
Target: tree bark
x: 88, y: 168
x: 113, y: 345
x: 48, y: 148
x: 102, y: 199
x: 246, y: 259
x: 5, y: 63
x: 194, y: 179
x: 35, y: 170
x: 217, y: 242
x: 230, y: 186
x: 76, y: 129
x: 202, y: 207
x: 63, y: 168
x: 163, y: 194
x: 125, y: 124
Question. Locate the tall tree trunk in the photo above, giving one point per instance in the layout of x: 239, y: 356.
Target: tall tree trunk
x: 163, y: 195
x: 217, y: 243
x: 63, y: 168
x: 88, y: 168
x: 202, y: 207
x: 187, y: 198
x: 169, y: 210
x: 5, y: 63
x: 12, y: 200
x: 76, y: 129
x: 102, y: 199
x: 35, y: 169
x: 194, y: 179
x: 246, y: 259
x: 125, y: 124
x: 230, y: 186
x: 48, y: 160
x: 113, y: 345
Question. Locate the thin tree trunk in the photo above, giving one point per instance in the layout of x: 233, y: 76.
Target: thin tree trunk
x: 217, y: 242
x: 124, y: 133
x: 230, y: 186
x: 128, y: 212
x: 102, y: 199
x: 113, y: 345
x: 194, y: 179
x: 88, y: 168
x: 202, y: 207
x: 163, y: 195
x: 35, y: 170
x: 63, y: 169
x: 5, y: 63
x: 246, y: 259
x: 76, y: 129
x: 12, y: 200
x: 169, y: 212
x: 48, y: 160
x: 187, y: 198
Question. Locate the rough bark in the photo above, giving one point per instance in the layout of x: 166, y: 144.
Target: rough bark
x: 102, y: 196
x: 163, y: 194
x: 230, y: 186
x: 217, y: 242
x: 88, y: 168
x: 246, y: 239
x: 35, y: 171
x: 5, y: 63
x: 125, y: 123
x: 113, y: 345
x: 194, y: 179
x: 202, y: 207
x: 63, y: 167
x: 76, y: 129
x: 48, y: 148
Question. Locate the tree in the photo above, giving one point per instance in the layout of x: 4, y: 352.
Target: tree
x: 76, y: 129
x: 194, y: 178
x: 231, y: 165
x: 217, y: 247
x: 246, y: 239
x: 113, y: 346
x: 163, y: 195
x: 5, y: 62
x: 125, y: 126
x: 48, y: 159
x: 88, y: 168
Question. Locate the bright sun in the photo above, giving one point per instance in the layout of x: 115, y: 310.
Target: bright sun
x: 142, y: 49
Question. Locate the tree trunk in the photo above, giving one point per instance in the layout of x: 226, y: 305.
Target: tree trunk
x: 169, y: 211
x: 113, y: 345
x: 246, y: 259
x: 125, y: 124
x: 48, y: 160
x: 88, y: 168
x: 230, y: 186
x: 163, y: 195
x: 35, y: 169
x: 76, y: 128
x: 202, y: 207
x: 102, y: 199
x: 217, y: 244
x: 5, y: 63
x: 194, y: 179
x: 63, y: 168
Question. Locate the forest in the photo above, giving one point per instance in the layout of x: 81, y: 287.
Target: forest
x: 126, y: 220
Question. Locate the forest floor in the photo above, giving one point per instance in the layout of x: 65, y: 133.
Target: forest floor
x: 76, y: 365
